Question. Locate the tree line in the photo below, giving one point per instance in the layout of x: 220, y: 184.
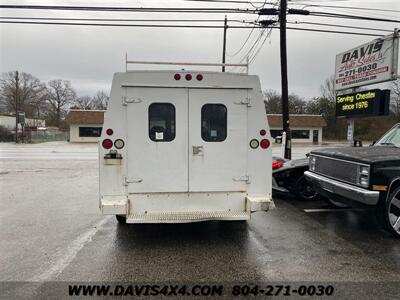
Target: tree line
x: 20, y: 91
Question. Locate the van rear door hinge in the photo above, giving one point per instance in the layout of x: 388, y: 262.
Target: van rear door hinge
x: 245, y: 178
x: 126, y: 100
x: 245, y: 101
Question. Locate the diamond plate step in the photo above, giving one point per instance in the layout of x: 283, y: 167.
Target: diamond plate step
x: 185, y: 217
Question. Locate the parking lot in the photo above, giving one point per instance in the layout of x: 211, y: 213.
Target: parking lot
x: 52, y: 230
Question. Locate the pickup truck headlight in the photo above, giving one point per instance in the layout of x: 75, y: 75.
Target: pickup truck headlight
x: 311, y: 163
x: 363, y: 175
x: 364, y: 170
x: 364, y: 180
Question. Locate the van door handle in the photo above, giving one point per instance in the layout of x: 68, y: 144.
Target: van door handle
x: 132, y: 180
x: 198, y: 150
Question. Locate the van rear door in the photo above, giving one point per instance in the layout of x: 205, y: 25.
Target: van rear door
x: 217, y: 140
x: 157, y: 141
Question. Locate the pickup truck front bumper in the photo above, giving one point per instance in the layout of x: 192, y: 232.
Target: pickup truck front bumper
x: 330, y: 187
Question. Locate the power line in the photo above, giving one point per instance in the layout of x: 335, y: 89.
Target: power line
x: 178, y: 26
x: 259, y: 48
x: 243, y: 45
x: 348, y: 7
x: 333, y: 31
x: 248, y: 36
x: 341, y: 26
x: 255, y: 43
x: 355, y: 17
x: 131, y: 9
x: 231, y: 1
x: 122, y: 25
x: 121, y: 20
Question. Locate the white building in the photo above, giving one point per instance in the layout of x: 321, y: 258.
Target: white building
x: 85, y: 125
x: 304, y: 128
x: 9, y: 122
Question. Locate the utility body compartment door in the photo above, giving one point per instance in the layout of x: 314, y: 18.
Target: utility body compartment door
x: 157, y: 139
x: 218, y: 140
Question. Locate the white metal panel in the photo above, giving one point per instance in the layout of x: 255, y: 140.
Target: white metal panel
x: 186, y: 202
x: 219, y: 166
x: 156, y: 166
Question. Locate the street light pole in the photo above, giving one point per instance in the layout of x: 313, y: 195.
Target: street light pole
x: 284, y: 79
x: 16, y: 104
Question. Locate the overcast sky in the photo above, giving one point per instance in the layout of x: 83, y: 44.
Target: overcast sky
x: 88, y: 56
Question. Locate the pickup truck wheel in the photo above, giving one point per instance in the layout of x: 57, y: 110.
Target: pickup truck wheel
x: 121, y: 219
x: 390, y: 212
x: 304, y: 190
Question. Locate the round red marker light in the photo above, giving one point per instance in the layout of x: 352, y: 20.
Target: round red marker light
x: 199, y: 77
x: 109, y: 131
x: 177, y: 77
x: 264, y: 144
x: 107, y: 144
x: 263, y: 132
x: 188, y: 77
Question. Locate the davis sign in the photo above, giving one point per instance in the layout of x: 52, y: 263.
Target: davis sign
x: 369, y: 63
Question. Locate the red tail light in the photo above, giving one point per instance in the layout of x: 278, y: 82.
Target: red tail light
x: 109, y: 131
x: 264, y: 144
x: 263, y: 132
x: 188, y: 77
x: 276, y: 165
x: 199, y: 77
x: 177, y: 77
x: 107, y: 143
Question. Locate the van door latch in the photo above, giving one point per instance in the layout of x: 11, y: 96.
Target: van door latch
x: 244, y: 178
x: 245, y: 101
x: 126, y: 100
x: 198, y: 150
x: 132, y: 180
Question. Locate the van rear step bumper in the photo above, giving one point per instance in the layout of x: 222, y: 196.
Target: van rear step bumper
x: 187, y: 217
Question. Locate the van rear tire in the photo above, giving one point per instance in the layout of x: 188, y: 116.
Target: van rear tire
x: 121, y: 219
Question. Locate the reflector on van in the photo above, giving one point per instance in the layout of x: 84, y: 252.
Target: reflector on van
x: 107, y: 143
x: 264, y: 144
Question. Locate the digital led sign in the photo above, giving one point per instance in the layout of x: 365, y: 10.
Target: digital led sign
x: 363, y: 104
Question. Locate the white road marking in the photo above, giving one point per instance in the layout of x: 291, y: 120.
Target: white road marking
x: 70, y: 253
x: 319, y: 210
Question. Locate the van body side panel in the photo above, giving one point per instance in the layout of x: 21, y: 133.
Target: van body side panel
x: 259, y: 160
x: 111, y: 173
x: 156, y: 165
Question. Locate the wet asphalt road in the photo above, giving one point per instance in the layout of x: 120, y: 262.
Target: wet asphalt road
x: 51, y: 230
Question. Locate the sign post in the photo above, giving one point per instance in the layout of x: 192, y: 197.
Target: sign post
x: 21, y: 120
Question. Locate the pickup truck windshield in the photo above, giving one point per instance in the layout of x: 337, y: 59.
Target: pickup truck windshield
x: 391, y: 138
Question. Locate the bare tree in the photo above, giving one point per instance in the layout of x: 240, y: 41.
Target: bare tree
x: 100, y: 100
x: 21, y: 91
x: 273, y: 103
x: 395, y: 99
x: 85, y: 102
x: 328, y: 88
x: 60, y: 94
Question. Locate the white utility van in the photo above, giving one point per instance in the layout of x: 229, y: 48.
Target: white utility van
x: 184, y: 146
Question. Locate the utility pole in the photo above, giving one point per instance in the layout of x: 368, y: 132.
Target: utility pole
x: 16, y: 105
x: 284, y: 80
x: 224, y: 45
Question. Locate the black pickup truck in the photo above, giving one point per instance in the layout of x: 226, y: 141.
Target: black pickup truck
x: 362, y: 176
